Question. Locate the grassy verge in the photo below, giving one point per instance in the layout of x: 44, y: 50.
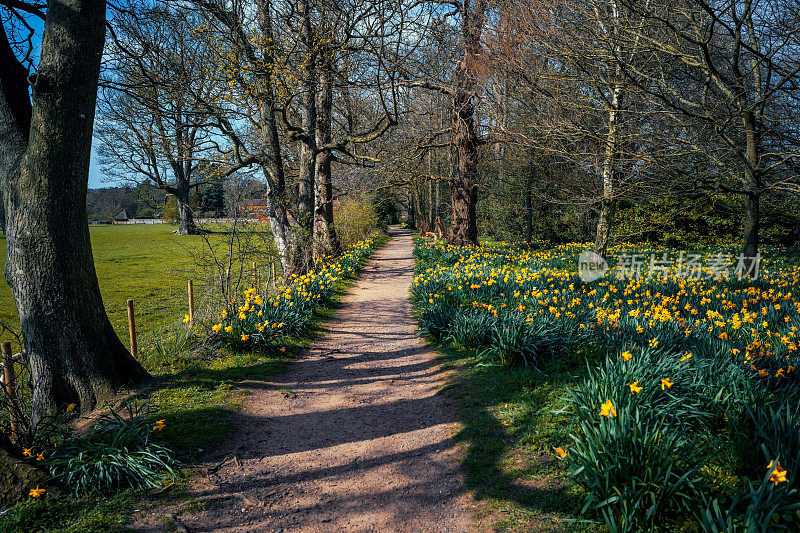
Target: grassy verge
x: 511, y: 423
x: 197, y: 386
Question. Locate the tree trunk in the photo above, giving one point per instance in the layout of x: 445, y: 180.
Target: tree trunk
x: 326, y: 242
x: 284, y: 237
x: 186, y: 225
x: 308, y: 145
x: 752, y: 188
x: 412, y: 217
x: 74, y: 354
x: 610, y: 164
x: 529, y: 206
x: 463, y: 223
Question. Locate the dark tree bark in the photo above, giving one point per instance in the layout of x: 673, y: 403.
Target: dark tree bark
x: 751, y: 184
x: 326, y: 242
x: 412, y: 215
x: 183, y: 195
x: 529, y: 204
x: 74, y: 354
x: 463, y: 224
x: 308, y: 120
x: 186, y: 225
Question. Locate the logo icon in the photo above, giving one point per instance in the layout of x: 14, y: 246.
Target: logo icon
x: 591, y: 266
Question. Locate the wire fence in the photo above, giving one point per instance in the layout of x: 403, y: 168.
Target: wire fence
x: 158, y: 329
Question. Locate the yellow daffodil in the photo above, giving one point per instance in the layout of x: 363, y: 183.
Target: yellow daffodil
x: 36, y: 493
x: 626, y: 355
x: 607, y: 409
x: 635, y: 388
x: 666, y: 384
x: 560, y: 452
x: 778, y: 475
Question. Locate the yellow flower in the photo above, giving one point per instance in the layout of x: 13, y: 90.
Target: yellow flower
x: 40, y: 457
x: 27, y: 452
x: 666, y: 383
x: 560, y: 452
x: 635, y: 388
x: 245, y: 337
x: 626, y: 355
x: 282, y: 349
x: 216, y: 327
x: 778, y: 475
x: 639, y: 329
x: 723, y: 336
x: 36, y: 493
x: 70, y: 407
x: 653, y: 343
x: 228, y: 329
x: 186, y: 318
x: 224, y: 313
x: 607, y: 409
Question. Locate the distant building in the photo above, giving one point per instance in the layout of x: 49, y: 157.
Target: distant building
x: 257, y: 208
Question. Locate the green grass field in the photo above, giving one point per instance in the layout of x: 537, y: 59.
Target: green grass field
x: 147, y: 263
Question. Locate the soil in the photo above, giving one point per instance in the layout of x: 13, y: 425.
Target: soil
x: 354, y: 436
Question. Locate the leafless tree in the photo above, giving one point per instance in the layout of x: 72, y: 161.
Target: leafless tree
x: 151, y: 128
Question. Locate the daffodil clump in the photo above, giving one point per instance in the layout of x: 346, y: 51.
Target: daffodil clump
x: 689, y: 410
x: 256, y: 321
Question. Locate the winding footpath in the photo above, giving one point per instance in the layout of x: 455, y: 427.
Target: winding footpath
x: 354, y: 436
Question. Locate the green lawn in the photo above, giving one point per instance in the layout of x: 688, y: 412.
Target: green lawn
x: 147, y: 263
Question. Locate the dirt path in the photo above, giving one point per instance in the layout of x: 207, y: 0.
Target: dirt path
x: 354, y: 436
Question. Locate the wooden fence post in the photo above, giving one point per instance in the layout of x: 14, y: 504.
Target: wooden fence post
x: 191, y: 302
x: 132, y: 330
x: 11, y: 389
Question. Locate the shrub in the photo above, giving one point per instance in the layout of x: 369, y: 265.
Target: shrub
x: 355, y: 219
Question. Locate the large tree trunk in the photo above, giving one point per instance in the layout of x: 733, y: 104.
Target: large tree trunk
x: 183, y: 197
x: 308, y: 145
x: 283, y: 234
x: 326, y: 242
x: 74, y: 354
x: 186, y: 225
x: 463, y: 223
x: 183, y: 189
